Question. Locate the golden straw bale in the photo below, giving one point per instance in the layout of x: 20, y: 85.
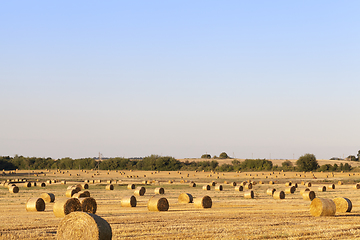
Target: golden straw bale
x: 128, y: 201
x: 63, y: 182
x: 279, y: 195
x: 249, y: 194
x: 304, y: 190
x: 158, y: 204
x: 192, y: 184
x: 295, y: 185
x: 288, y: 184
x: 343, y: 204
x: 248, y: 186
x: 76, y: 187
x: 218, y: 188
x: 27, y: 184
x: 239, y: 188
x: 271, y: 182
x: 81, y: 194
x: 206, y: 187
x: 340, y: 183
x: 290, y: 190
x: 65, y: 206
x: 35, y: 205
x: 203, y: 202
x: 159, y: 190
x: 109, y: 187
x: 83, y: 226
x: 309, y: 195
x: 185, y: 198
x: 139, y: 191
x: 322, y: 189
x: 307, y: 184
x: 270, y: 191
x: 131, y: 186
x: 85, y: 186
x: 213, y: 183
x: 322, y: 207
x: 70, y: 192
x: 331, y: 186
x: 357, y: 186
x: 42, y: 184
x: 33, y: 184
x: 88, y: 204
x: 48, y: 197
x: 14, y: 189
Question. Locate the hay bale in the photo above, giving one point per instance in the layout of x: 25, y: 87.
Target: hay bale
x: 85, y: 186
x: 35, y: 205
x: 322, y: 189
x: 218, y: 188
x: 307, y: 184
x: 70, y: 192
x: 249, y: 194
x: 357, y: 186
x: 248, y: 186
x: 33, y: 184
x: 14, y: 189
x: 203, y: 202
x: 88, y: 204
x: 233, y: 184
x: 295, y: 185
x: 109, y: 187
x: 206, y: 187
x: 340, y: 183
x: 42, y: 184
x: 48, y: 197
x: 185, y: 198
x: 139, y: 191
x: 27, y: 184
x: 279, y: 195
x: 83, y: 226
x: 81, y: 194
x: 309, y: 195
x: 63, y: 182
x: 342, y: 204
x: 290, y: 190
x: 271, y: 182
x: 304, y: 190
x: 213, y: 183
x: 192, y: 184
x: 322, y: 207
x: 159, y: 190
x: 128, y: 201
x: 131, y: 186
x: 270, y: 191
x: 158, y: 204
x: 288, y: 184
x: 65, y: 206
x: 331, y: 186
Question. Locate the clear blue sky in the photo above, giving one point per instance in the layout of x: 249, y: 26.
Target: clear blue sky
x: 261, y: 79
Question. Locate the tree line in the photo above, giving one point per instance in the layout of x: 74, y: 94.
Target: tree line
x: 306, y: 162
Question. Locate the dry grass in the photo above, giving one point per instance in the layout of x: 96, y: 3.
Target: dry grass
x: 230, y: 217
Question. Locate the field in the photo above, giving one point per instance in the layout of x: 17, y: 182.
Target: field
x: 231, y: 216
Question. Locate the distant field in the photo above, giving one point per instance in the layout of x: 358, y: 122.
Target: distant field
x: 275, y: 161
x: 231, y: 216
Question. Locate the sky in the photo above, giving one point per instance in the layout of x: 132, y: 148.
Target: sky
x: 254, y: 79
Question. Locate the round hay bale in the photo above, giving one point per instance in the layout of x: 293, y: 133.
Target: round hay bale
x: 288, y: 184
x: 33, y: 184
x: 65, y: 206
x: 159, y: 190
x: 279, y: 195
x: 139, y: 191
x: 14, y: 189
x: 42, y: 184
x: 290, y: 190
x: 158, y: 204
x: 249, y: 194
x: 88, y: 204
x: 322, y: 189
x: 233, y: 184
x: 203, y: 202
x: 357, y: 186
x: 322, y: 207
x: 218, y: 188
x: 27, y: 184
x: 85, y: 186
x: 307, y: 184
x: 340, y: 183
x: 131, y: 186
x: 48, y: 197
x: 81, y: 194
x: 192, y: 184
x: 83, y: 226
x: 331, y: 186
x: 70, y: 192
x: 109, y: 187
x: 248, y: 185
x: 63, y: 182
x: 185, y: 198
x: 304, y: 190
x: 35, y: 205
x: 271, y: 182
x: 309, y: 195
x: 239, y: 188
x: 213, y: 183
x: 342, y: 204
x: 206, y: 187
x: 295, y: 185
x: 128, y: 201
x: 270, y: 191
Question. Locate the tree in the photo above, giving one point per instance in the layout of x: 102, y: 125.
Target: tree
x: 223, y: 155
x: 206, y: 156
x: 307, y: 162
x: 287, y: 165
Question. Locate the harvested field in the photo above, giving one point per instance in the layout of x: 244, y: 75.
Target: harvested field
x: 230, y: 217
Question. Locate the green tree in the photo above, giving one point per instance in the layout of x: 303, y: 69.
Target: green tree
x: 307, y: 163
x: 287, y: 164
x: 223, y: 155
x: 206, y: 156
